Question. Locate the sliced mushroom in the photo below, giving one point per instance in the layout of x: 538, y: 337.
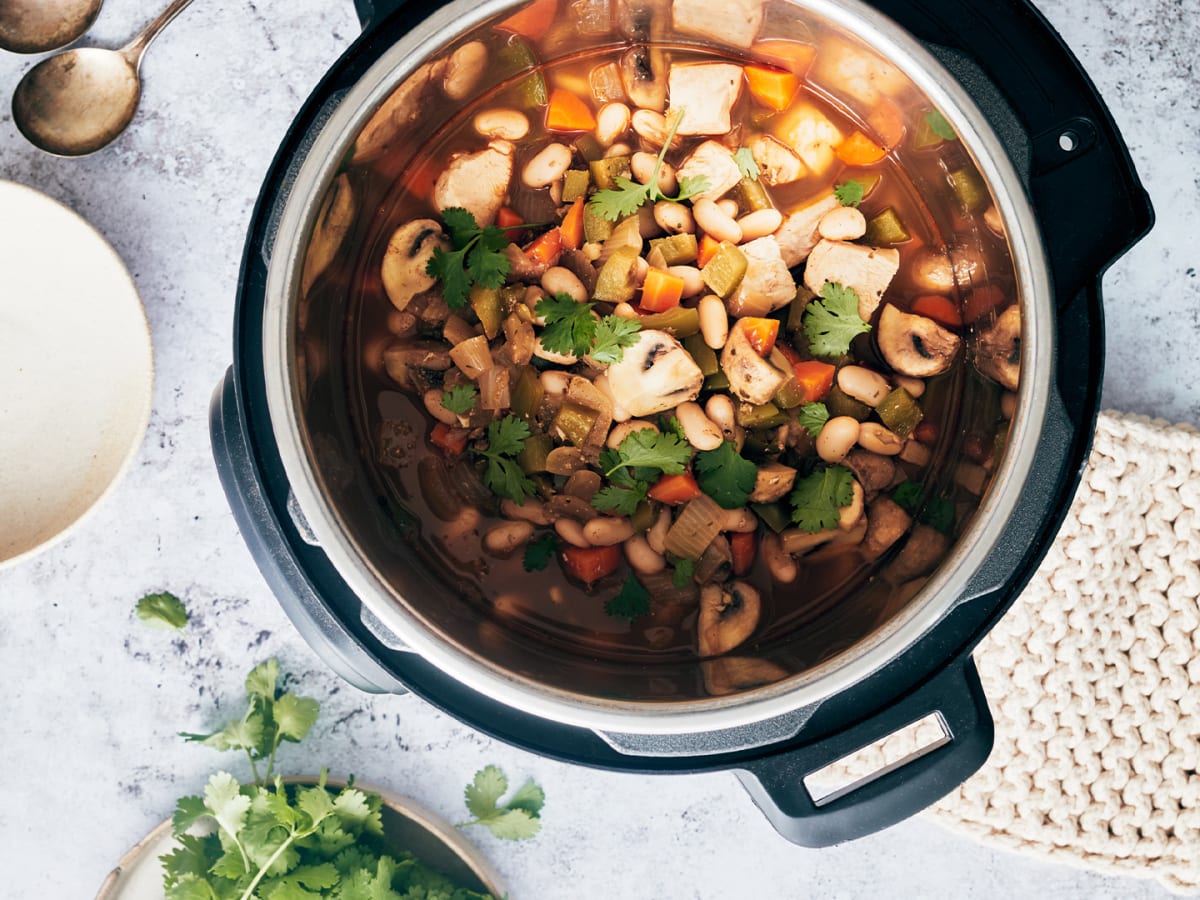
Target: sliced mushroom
x: 332, y: 226
x: 566, y: 506
x: 868, y: 270
x: 731, y: 674
x: 873, y: 471
x: 568, y: 460
x: 773, y: 481
x: 777, y: 162
x: 728, y: 616
x: 705, y: 92
x: 914, y: 345
x: 767, y: 284
x: 654, y: 375
x: 998, y: 349
x: 408, y: 253
x: 714, y: 162
x: 583, y: 484
x: 477, y: 182
x: 419, y: 355
x: 886, y: 523
x: 751, y: 378
x: 643, y: 77
x: 924, y: 549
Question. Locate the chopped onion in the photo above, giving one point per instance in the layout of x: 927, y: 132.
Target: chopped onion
x: 627, y: 233
x: 694, y: 530
x: 606, y: 84
x: 716, y: 563
x: 472, y: 356
x: 493, y: 388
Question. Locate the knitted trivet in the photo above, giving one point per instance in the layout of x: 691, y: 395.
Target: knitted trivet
x: 1093, y: 676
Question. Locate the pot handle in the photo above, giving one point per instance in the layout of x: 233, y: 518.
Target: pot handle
x: 894, y: 793
x: 267, y: 537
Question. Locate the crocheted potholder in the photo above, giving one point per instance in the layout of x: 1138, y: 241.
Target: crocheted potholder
x: 1093, y: 676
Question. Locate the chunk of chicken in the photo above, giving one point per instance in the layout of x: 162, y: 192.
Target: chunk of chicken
x: 393, y: 121
x: 477, y: 182
x: 857, y: 71
x: 812, y: 135
x: 798, y: 234
x: 777, y: 163
x: 714, y: 161
x: 706, y: 92
x: 654, y: 375
x: 773, y: 482
x: 733, y: 23
x: 767, y: 284
x: 868, y: 270
x: 751, y: 378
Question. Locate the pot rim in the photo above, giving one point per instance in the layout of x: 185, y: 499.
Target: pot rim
x: 943, y: 592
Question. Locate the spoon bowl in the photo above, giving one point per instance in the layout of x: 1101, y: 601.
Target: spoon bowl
x: 35, y: 26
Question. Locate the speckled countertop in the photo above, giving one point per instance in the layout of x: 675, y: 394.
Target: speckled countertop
x: 93, y: 699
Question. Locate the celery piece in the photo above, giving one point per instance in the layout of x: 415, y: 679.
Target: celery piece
x: 704, y: 355
x: 575, y: 184
x: 595, y: 228
x: 574, y: 422
x: 488, y: 307
x: 589, y: 148
x: 516, y: 56
x: 839, y: 403
x: 532, y: 457
x: 776, y: 515
x: 900, y: 412
x: 725, y: 270
x: 790, y: 395
x: 766, y: 415
x: 718, y: 381
x: 968, y: 186
x: 527, y: 393
x: 753, y: 196
x: 680, y: 321
x: 605, y: 171
x: 868, y: 179
x: 617, y: 281
x: 678, y: 249
x: 924, y: 137
x: 886, y: 228
x: 643, y: 517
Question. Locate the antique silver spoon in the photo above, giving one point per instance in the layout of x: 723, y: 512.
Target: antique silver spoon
x: 35, y: 26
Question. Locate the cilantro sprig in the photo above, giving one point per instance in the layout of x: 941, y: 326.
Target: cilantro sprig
x: 849, y: 193
x: 460, y: 400
x: 726, y: 476
x: 937, y: 512
x: 684, y: 572
x: 939, y: 126
x: 832, y: 322
x: 538, y: 553
x: 812, y: 417
x: 514, y: 820
x: 817, y: 500
x: 573, y: 330
x: 628, y: 197
x: 477, y: 258
x: 506, y: 438
x: 631, y: 601
x: 746, y: 164
x: 162, y: 610
x: 635, y: 464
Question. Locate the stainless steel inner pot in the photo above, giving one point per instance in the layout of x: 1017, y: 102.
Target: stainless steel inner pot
x: 304, y: 333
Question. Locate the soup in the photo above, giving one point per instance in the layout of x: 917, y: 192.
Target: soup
x: 673, y: 353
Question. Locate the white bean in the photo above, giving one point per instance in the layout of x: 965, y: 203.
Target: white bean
x: 618, y: 149
x: 433, y: 403
x: 641, y: 556
x: 716, y: 222
x: 697, y: 427
x: 760, y: 223
x: 714, y: 321
x: 739, y: 520
x: 845, y: 223
x: 849, y: 515
x: 674, y: 218
x: 1008, y: 404
x: 874, y: 437
x: 641, y: 270
x: 933, y: 271
x: 592, y: 250
x: 782, y: 566
x: 503, y: 539
x: 642, y: 164
x: 554, y: 383
x: 611, y: 122
x: 863, y: 385
x: 606, y: 531
x: 560, y: 280
x: 502, y: 123
x: 651, y: 126
x: 530, y: 511
x: 623, y: 430
x: 625, y: 311
x: 571, y: 532
x: 547, y: 166
x: 720, y: 412
x: 993, y: 220
x: 656, y: 537
x: 463, y: 69
x: 837, y: 438
x: 729, y: 207
x: 914, y: 386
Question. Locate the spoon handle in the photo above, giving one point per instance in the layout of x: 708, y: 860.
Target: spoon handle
x: 134, y: 49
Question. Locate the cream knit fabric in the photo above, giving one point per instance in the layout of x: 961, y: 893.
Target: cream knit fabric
x: 1093, y: 677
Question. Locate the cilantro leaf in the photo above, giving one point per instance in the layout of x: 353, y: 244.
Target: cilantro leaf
x: 744, y: 158
x: 830, y: 323
x: 632, y: 601
x: 937, y: 512
x: 939, y: 126
x: 907, y: 496
x: 460, y: 225
x: 570, y: 326
x: 690, y: 186
x: 623, y: 501
x: 813, y: 416
x: 818, y: 499
x: 294, y: 716
x: 460, y: 400
x: 645, y: 448
x: 163, y: 610
x: 725, y: 475
x: 515, y: 820
x: 506, y: 438
x: 849, y: 193
x: 538, y: 553
x: 628, y: 196
x: 685, y: 570
x: 613, y: 335
x: 262, y: 680
x: 477, y: 258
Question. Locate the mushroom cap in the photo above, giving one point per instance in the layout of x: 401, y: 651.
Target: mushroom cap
x: 408, y: 253
x: 998, y: 349
x: 727, y: 617
x: 654, y: 375
x: 915, y: 345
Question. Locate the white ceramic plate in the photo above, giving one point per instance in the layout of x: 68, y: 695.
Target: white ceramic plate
x: 76, y: 370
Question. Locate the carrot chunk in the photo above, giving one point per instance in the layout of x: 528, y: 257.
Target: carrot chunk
x: 773, y: 88
x: 442, y: 437
x: 888, y: 122
x: 815, y: 379
x: 567, y: 112
x: 590, y: 564
x: 661, y: 291
x: 531, y: 21
x: 790, y: 55
x: 674, y: 489
x: 708, y: 249
x: 761, y: 333
x: 572, y: 226
x: 546, y: 250
x: 743, y: 546
x: 941, y: 309
x: 859, y: 150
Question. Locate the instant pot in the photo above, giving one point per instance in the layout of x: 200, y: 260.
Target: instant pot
x: 1071, y: 203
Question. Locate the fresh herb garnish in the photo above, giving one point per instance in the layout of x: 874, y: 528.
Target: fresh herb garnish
x: 939, y: 126
x: 632, y: 601
x: 623, y: 501
x: 572, y: 329
x: 460, y: 400
x: 163, y: 610
x: 515, y: 820
x: 628, y: 197
x: 477, y: 258
x: 613, y: 335
x: 832, y: 322
x: 818, y: 499
x: 849, y: 193
x: 938, y: 512
x: 506, y: 438
x: 813, y: 416
x: 538, y: 553
x: 744, y: 158
x: 645, y: 449
x: 685, y: 570
x: 725, y: 475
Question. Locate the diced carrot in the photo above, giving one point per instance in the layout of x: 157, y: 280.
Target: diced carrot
x: 590, y: 564
x: 572, y: 226
x: 675, y: 489
x: 790, y: 55
x: 773, y: 88
x: 743, y: 546
x: 420, y: 179
x: 708, y: 249
x: 859, y: 150
x: 815, y: 378
x: 453, y: 443
x: 567, y: 112
x: 888, y: 122
x: 531, y: 21
x: 508, y: 218
x: 981, y: 301
x: 546, y: 249
x: 941, y: 309
x: 761, y: 333
x: 661, y: 291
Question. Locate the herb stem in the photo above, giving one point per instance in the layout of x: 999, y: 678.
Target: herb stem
x: 253, y: 767
x: 249, y: 892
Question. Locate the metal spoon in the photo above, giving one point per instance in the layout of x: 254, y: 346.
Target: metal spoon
x: 76, y: 102
x: 35, y: 26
